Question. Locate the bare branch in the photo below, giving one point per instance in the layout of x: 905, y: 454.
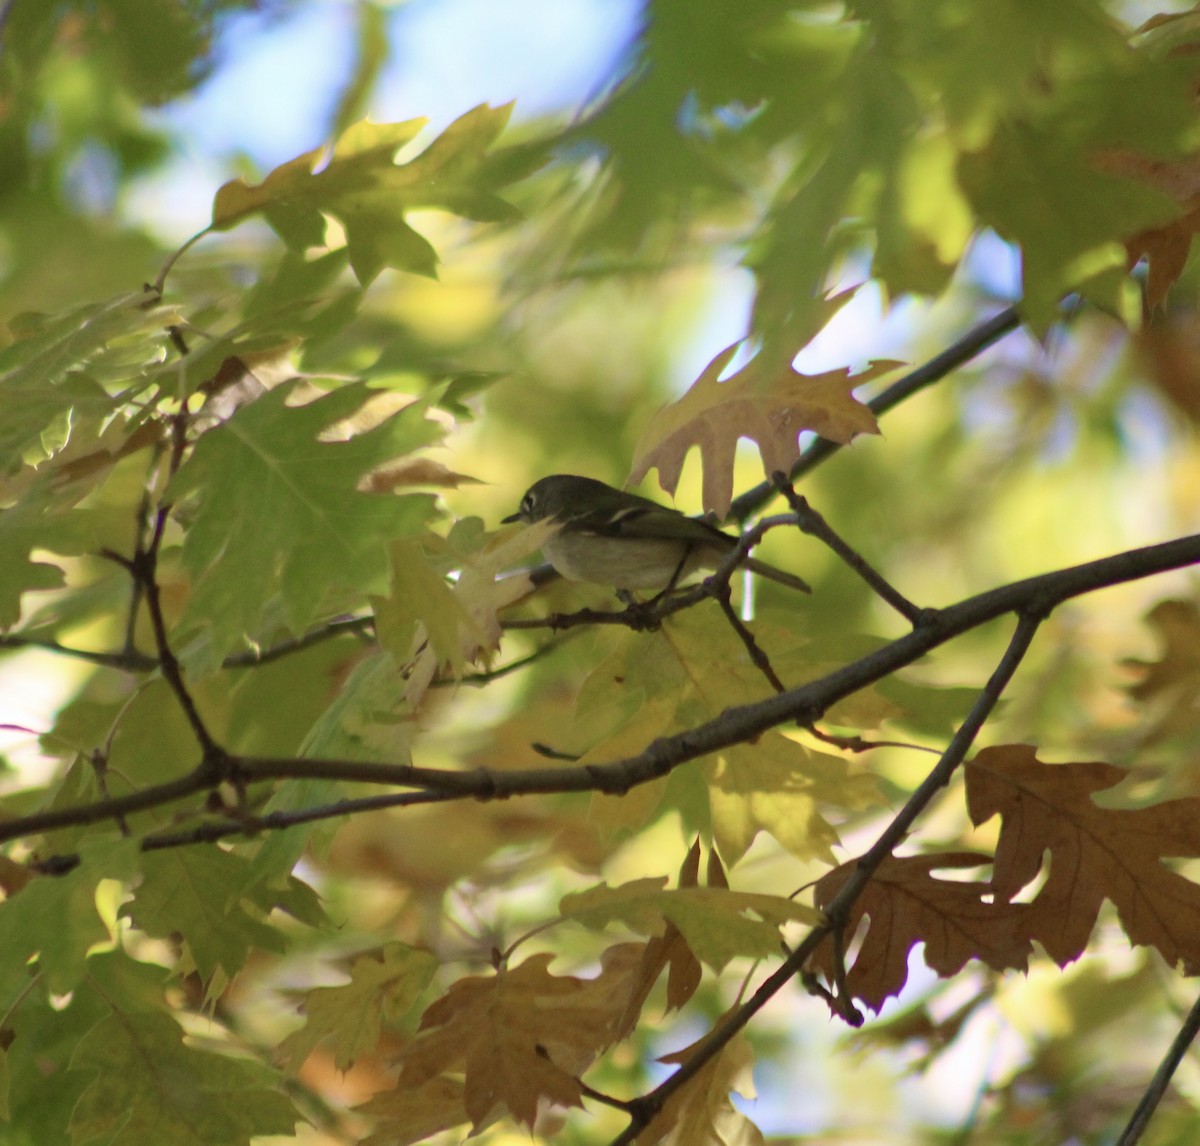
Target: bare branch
x: 1157, y: 1087
x: 812, y: 523
x: 972, y: 343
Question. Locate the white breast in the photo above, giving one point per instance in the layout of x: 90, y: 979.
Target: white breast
x: 629, y: 563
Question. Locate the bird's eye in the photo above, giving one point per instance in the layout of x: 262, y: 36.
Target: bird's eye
x: 527, y: 505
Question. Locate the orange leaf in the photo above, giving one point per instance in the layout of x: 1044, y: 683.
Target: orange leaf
x: 907, y: 905
x: 1095, y: 853
x: 772, y: 411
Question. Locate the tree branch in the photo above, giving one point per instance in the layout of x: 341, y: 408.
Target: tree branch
x: 811, y: 522
x: 649, y: 1105
x: 1032, y: 597
x: 974, y: 342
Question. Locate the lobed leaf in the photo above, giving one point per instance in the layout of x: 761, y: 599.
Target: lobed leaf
x: 773, y: 412
x: 369, y: 193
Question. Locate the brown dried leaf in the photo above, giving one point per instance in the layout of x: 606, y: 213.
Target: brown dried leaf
x: 521, y: 1035
x: 1095, y: 853
x: 412, y: 471
x: 906, y: 905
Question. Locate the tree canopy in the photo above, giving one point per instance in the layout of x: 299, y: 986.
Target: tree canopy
x: 343, y: 819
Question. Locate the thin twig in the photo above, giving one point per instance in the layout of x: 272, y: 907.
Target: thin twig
x: 974, y: 342
x: 252, y: 658
x: 144, y: 568
x: 757, y: 657
x: 1157, y: 1087
x: 861, y: 744
x: 812, y: 523
x: 132, y: 660
x: 552, y: 753
x: 210, y: 831
x: 843, y: 1001
x: 99, y: 762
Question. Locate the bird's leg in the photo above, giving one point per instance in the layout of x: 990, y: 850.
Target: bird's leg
x: 671, y: 585
x: 643, y: 611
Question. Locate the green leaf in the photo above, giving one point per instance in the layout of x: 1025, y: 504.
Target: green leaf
x: 66, y: 363
x: 382, y: 983
x: 1067, y: 218
x: 718, y: 924
x: 367, y: 719
x: 55, y: 918
x: 370, y: 193
x: 150, y: 1088
x: 419, y: 593
x: 198, y: 893
x: 278, y: 511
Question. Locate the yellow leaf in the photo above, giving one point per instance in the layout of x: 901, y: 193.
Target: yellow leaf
x: 718, y: 924
x: 383, y: 982
x: 701, y: 1113
x: 775, y: 786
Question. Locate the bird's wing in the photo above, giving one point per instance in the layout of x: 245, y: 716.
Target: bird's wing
x: 648, y: 520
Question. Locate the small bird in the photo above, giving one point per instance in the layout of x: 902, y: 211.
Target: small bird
x: 615, y: 538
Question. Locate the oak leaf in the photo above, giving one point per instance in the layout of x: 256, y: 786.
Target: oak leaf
x: 907, y: 904
x: 1170, y: 686
x: 1096, y: 853
x: 718, y: 924
x: 363, y: 187
x: 777, y: 785
x: 520, y: 1036
x: 382, y: 983
x: 773, y: 411
x: 701, y: 1113
x: 669, y: 950
x: 456, y: 625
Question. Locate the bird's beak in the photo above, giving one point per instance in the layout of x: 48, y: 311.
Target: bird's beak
x: 510, y: 519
